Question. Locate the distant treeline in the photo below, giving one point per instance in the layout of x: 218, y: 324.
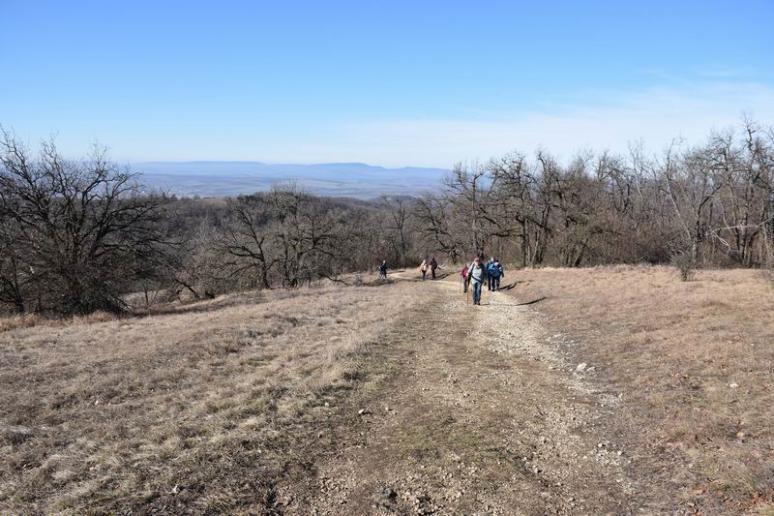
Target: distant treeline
x: 80, y: 236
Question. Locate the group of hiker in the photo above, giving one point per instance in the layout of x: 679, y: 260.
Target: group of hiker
x: 428, y: 264
x: 476, y: 273
x: 473, y: 274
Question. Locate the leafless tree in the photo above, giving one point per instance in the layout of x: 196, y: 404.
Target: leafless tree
x: 434, y: 222
x: 398, y: 227
x: 79, y: 228
x: 249, y: 240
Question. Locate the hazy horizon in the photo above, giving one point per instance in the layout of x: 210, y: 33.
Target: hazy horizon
x: 230, y: 178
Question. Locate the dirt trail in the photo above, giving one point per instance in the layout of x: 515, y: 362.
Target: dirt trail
x: 476, y: 413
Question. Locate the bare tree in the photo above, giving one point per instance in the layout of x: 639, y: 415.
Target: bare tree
x: 13, y: 277
x: 249, y: 239
x: 744, y: 202
x: 467, y: 191
x: 398, y: 227
x: 79, y: 227
x: 691, y: 188
x: 434, y: 218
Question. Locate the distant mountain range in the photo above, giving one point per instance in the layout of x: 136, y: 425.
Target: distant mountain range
x: 228, y: 178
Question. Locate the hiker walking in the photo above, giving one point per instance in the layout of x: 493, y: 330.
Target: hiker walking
x: 383, y: 270
x: 487, y: 270
x: 495, y: 272
x: 464, y: 274
x: 433, y: 266
x: 476, y: 277
x: 423, y: 268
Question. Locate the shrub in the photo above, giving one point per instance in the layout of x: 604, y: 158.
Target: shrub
x: 685, y: 265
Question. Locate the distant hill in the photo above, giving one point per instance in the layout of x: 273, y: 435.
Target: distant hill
x: 224, y: 178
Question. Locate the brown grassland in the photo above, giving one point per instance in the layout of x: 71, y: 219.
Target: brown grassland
x: 694, y: 365
x: 178, y: 409
x: 403, y: 398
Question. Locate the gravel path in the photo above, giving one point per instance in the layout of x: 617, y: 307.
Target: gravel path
x: 474, y: 412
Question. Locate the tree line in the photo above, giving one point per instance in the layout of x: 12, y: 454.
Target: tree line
x: 707, y: 205
x: 78, y: 236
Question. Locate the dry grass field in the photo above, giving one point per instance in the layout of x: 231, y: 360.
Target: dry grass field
x: 693, y: 363
x: 403, y: 399
x: 203, y: 409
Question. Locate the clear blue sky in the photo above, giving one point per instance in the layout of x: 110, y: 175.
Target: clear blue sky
x: 395, y: 83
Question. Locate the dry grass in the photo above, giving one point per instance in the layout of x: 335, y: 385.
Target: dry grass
x: 199, y: 410
x: 693, y: 362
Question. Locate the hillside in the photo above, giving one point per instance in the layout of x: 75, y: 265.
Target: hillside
x: 607, y: 390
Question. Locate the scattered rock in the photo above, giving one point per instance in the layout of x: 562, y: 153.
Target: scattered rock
x: 363, y: 412
x: 581, y: 367
x: 733, y: 385
x: 389, y: 493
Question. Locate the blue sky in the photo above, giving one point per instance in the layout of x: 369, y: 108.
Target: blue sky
x: 391, y: 83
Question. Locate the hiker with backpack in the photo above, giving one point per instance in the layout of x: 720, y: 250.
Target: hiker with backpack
x: 476, y: 277
x: 487, y: 269
x: 494, y: 273
x: 464, y: 274
x: 383, y: 270
x: 433, y: 266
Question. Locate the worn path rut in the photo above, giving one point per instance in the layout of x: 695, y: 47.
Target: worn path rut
x: 476, y: 412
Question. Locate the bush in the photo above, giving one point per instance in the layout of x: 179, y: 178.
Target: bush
x: 685, y: 265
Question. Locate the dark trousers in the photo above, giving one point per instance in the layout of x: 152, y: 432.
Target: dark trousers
x: 494, y: 283
x: 432, y: 270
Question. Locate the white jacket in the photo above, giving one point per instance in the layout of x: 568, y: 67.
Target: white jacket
x: 476, y: 273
